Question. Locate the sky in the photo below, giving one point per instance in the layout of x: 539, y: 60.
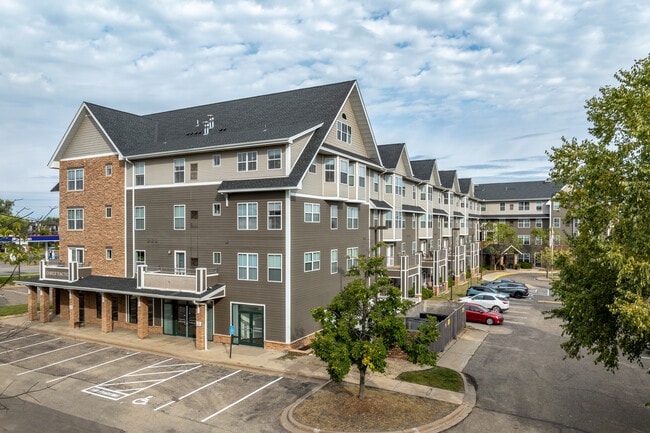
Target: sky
x: 484, y: 87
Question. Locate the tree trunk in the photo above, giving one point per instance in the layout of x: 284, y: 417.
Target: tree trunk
x: 362, y: 383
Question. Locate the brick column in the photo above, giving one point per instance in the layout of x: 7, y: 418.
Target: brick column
x: 143, y: 317
x: 32, y: 303
x: 201, y: 325
x: 74, y: 307
x: 64, y: 302
x: 107, y: 313
x: 45, y: 304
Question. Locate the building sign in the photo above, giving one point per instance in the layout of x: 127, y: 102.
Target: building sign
x: 56, y: 274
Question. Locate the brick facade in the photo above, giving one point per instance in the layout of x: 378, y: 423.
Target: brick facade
x: 99, y: 232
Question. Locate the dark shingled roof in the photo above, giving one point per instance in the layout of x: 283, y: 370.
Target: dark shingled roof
x: 422, y: 169
x: 412, y: 209
x: 465, y: 184
x: 508, y: 191
x: 272, y: 117
x: 127, y: 286
x: 447, y: 178
x: 390, y: 154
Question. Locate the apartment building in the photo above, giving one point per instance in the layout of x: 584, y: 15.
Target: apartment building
x: 529, y: 208
x: 236, y: 218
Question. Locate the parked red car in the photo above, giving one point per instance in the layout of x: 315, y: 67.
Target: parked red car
x: 480, y: 314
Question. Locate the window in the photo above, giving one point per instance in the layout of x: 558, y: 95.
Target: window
x: 353, y: 217
x: 556, y: 205
x: 344, y: 171
x: 216, y: 257
x: 524, y: 205
x: 538, y: 205
x: 343, y: 132
x: 76, y: 179
x: 140, y: 257
x: 423, y: 221
x: 216, y: 160
x: 375, y: 182
x: 109, y: 211
x: 216, y: 209
x: 502, y: 207
x: 414, y: 247
x: 247, y: 216
x: 538, y: 222
x: 179, y: 217
x: 430, y: 221
x: 388, y: 180
x: 423, y: 192
x: 109, y: 253
x: 179, y: 262
x: 430, y: 193
x: 75, y: 218
x: 351, y: 174
x: 139, y: 173
x: 75, y: 254
x: 312, y: 168
x: 399, y: 220
x: 525, y: 239
x: 538, y: 240
x: 375, y: 218
x: 334, y: 217
x: 362, y: 176
x: 523, y: 224
x: 312, y: 212
x: 274, y: 159
x: 179, y: 170
x: 352, y: 257
x: 388, y: 219
x: 247, y: 266
x: 399, y: 186
x: 194, y: 171
x: 247, y: 161
x: 334, y: 261
x: 312, y: 261
x: 330, y: 170
x: 483, y: 207
x: 275, y: 267
x: 556, y: 222
x: 139, y: 217
x: 109, y: 170
x: 274, y: 215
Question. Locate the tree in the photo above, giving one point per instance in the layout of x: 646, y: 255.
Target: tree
x: 16, y: 251
x: 604, y: 281
x: 498, y: 238
x: 365, y: 321
x: 546, y: 259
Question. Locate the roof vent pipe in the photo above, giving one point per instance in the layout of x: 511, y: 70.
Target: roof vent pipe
x: 206, y: 127
x: 211, y: 121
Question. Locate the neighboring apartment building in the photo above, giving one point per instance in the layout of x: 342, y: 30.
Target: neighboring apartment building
x: 529, y: 208
x: 237, y: 217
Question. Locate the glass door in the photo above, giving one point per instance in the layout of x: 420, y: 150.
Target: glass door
x: 251, y: 325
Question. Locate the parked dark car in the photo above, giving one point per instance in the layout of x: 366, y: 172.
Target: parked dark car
x: 480, y: 314
x: 475, y: 290
x: 516, y: 290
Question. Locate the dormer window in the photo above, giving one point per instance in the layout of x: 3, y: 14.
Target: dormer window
x: 343, y: 132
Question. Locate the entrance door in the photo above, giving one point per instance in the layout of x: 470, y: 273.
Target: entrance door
x: 179, y: 318
x: 251, y: 325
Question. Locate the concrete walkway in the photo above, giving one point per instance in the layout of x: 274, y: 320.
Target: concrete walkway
x: 309, y: 367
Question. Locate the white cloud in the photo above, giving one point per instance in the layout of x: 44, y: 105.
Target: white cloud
x: 462, y: 75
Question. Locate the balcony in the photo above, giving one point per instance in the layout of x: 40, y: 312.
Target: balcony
x: 176, y: 280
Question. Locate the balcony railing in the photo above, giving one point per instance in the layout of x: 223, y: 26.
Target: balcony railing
x: 174, y: 279
x: 59, y: 271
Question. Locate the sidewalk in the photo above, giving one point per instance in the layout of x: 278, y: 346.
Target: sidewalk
x: 267, y: 361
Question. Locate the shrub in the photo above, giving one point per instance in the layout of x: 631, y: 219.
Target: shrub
x: 526, y: 265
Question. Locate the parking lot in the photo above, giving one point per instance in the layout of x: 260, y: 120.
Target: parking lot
x: 118, y: 387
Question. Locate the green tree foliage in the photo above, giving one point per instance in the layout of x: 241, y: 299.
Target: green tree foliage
x: 365, y: 321
x: 497, y: 239
x: 604, y: 281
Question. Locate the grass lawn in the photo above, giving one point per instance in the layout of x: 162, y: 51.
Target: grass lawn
x: 437, y: 377
x: 11, y: 310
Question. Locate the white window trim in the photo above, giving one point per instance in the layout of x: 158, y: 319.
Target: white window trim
x: 216, y: 209
x: 268, y: 268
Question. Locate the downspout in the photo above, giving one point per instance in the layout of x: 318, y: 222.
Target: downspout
x: 132, y: 220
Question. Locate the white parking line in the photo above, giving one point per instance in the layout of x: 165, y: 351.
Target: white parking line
x: 115, y: 389
x: 30, y: 345
x: 240, y: 400
x: 514, y: 323
x: 41, y: 354
x: 90, y: 368
x: 196, y: 390
x: 65, y: 360
x: 19, y: 338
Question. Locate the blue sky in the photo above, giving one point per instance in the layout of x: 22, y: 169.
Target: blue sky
x: 484, y: 87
